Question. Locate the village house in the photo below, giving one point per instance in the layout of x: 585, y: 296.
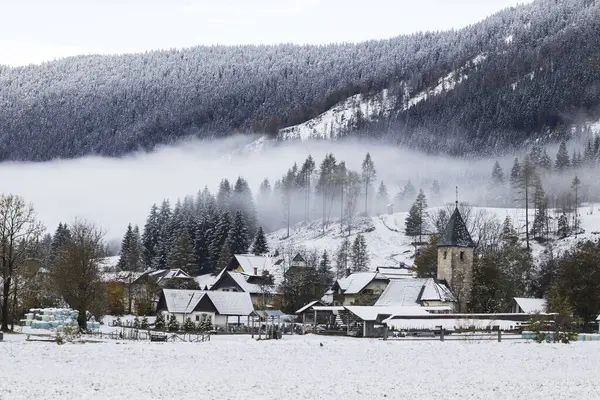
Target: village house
x: 221, y: 308
x: 424, y: 292
x: 362, y: 288
x: 255, y: 275
x: 521, y: 305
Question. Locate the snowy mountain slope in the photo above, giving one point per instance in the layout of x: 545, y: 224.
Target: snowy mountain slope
x: 342, y: 117
x: 389, y: 246
x: 446, y: 83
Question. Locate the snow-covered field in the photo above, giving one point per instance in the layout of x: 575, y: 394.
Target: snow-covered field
x: 298, y: 368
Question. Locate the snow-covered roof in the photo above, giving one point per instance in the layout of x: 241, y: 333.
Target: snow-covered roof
x: 309, y: 305
x: 531, y: 306
x: 205, y: 281
x: 226, y: 303
x: 182, y: 301
x: 396, y: 272
x: 249, y: 263
x: 451, y: 324
x: 356, y: 282
x: 372, y: 313
x: 411, y: 292
x: 231, y: 303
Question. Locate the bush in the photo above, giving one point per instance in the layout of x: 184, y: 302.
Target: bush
x: 188, y: 325
x: 160, y: 322
x: 173, y: 325
x: 136, y: 322
x: 144, y: 323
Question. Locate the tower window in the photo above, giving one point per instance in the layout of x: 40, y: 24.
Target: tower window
x: 462, y: 255
x: 445, y: 255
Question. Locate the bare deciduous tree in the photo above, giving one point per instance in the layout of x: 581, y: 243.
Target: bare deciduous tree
x: 76, y: 271
x: 19, y: 234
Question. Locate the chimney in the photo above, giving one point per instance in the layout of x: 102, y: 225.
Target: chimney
x: 255, y: 271
x: 348, y: 272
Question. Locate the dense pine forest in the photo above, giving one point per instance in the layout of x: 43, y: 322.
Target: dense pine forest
x: 537, y: 74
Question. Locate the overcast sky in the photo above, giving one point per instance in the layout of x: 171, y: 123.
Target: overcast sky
x: 32, y: 31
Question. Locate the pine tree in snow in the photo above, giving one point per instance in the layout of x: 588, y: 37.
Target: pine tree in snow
x: 359, y: 255
x: 497, y: 175
x: 563, y: 226
x: 173, y: 324
x: 223, y: 195
x: 368, y: 175
x: 545, y: 162
x: 151, y: 236
x: 515, y: 172
x: 324, y: 271
x: 342, y: 258
x: 382, y: 199
x: 131, y: 248
x: 540, y: 222
x: 61, y: 237
x: 242, y: 200
x: 416, y: 221
x: 164, y: 239
x: 182, y: 255
x: 218, y: 238
x: 260, y: 245
x: 237, y: 239
x: 188, y: 325
x: 562, y: 158
x: 159, y: 324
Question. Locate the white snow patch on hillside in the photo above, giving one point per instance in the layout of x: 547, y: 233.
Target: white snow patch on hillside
x: 341, y: 117
x: 446, y: 83
x: 509, y: 39
x: 389, y: 246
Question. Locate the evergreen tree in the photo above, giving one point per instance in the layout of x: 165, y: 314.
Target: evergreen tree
x: 223, y: 195
x: 237, y: 239
x: 527, y: 181
x: 545, y: 162
x: 515, y: 172
x: 382, y: 199
x: 164, y: 239
x: 131, y: 248
x: 562, y: 158
x: 159, y: 324
x: 426, y: 261
x: 260, y: 245
x: 188, y: 325
x: 342, y: 258
x: 497, y: 175
x: 563, y: 226
x: 62, y: 236
x: 182, y: 255
x: 144, y: 323
x: 416, y: 221
x: 324, y: 271
x: 359, y: 256
x: 435, y: 189
x: 368, y: 175
x: 202, y: 243
x: 242, y: 200
x: 218, y: 240
x: 409, y: 190
x: 151, y: 236
x: 540, y: 222
x: 173, y: 325
x: 306, y: 172
x: 575, y: 186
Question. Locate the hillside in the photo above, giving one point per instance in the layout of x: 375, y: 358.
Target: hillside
x: 523, y: 73
x: 389, y: 246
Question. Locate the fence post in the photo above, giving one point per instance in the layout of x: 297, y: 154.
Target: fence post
x: 385, y: 332
x: 441, y: 333
x: 499, y: 335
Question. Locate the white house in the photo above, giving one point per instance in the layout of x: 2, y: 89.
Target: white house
x: 223, y: 308
x: 521, y: 305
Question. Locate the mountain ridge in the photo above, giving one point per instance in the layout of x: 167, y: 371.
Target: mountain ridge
x: 115, y: 105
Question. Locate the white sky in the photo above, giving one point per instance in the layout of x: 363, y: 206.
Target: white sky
x: 32, y: 31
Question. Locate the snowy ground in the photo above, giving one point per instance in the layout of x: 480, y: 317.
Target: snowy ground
x: 388, y: 245
x: 236, y: 367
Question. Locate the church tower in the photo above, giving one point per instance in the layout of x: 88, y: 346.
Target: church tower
x: 455, y: 260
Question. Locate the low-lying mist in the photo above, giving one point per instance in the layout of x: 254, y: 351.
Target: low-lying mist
x: 113, y: 192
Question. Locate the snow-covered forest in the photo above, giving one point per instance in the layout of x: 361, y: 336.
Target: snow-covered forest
x: 535, y: 74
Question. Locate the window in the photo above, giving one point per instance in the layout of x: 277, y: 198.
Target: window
x: 462, y: 255
x: 197, y: 318
x: 445, y: 255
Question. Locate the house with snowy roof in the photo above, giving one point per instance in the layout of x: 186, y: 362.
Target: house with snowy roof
x: 362, y: 288
x: 417, y: 292
x: 255, y: 275
x: 222, y: 308
x: 521, y: 305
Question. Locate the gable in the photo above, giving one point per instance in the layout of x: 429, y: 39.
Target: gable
x: 205, y: 305
x: 226, y: 281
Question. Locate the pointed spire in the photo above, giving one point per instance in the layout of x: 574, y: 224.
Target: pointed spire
x: 457, y: 197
